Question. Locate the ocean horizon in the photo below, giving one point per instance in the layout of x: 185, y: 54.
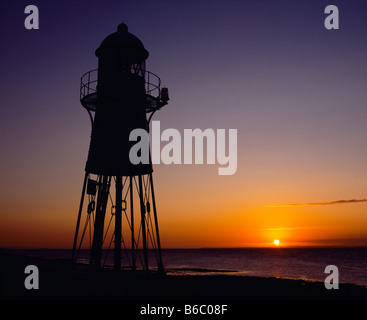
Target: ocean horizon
x: 305, y: 263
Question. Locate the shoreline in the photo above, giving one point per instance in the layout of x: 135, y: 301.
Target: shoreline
x: 59, y: 279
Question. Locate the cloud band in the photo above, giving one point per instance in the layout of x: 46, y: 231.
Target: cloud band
x: 329, y: 203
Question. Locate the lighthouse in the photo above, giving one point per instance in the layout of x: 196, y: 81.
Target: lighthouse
x: 121, y: 211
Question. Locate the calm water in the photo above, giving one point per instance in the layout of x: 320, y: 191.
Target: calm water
x: 294, y: 263
x: 291, y: 263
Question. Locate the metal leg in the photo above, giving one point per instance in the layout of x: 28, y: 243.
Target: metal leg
x: 160, y: 262
x: 118, y: 222
x: 73, y: 257
x: 143, y: 226
x: 96, y: 253
x: 133, y: 265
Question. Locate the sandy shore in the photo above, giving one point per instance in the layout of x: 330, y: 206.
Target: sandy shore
x: 60, y: 280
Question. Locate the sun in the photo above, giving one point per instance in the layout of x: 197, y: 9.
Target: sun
x: 276, y: 242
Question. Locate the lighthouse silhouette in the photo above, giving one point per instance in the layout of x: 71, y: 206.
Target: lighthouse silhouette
x: 119, y: 96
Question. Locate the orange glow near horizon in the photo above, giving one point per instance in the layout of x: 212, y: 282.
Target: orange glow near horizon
x: 194, y: 216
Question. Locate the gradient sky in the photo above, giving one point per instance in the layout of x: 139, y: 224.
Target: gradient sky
x: 295, y: 91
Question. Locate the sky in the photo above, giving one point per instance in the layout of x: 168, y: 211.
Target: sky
x: 295, y: 92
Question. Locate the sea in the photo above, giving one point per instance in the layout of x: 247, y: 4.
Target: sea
x: 290, y: 263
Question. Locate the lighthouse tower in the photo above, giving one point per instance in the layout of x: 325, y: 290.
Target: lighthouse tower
x: 121, y: 210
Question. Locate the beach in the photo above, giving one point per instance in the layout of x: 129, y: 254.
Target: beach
x: 59, y: 279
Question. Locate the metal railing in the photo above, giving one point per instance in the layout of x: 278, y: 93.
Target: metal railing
x: 89, y: 82
x: 152, y: 84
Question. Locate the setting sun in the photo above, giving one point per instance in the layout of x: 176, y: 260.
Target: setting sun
x: 276, y: 242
